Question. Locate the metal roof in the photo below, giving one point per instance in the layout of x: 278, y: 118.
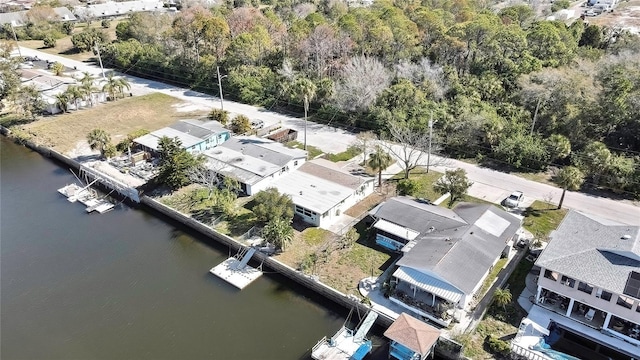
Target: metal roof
x: 423, y: 281
x: 20, y: 18
x: 118, y: 8
x: 245, y: 168
x: 396, y: 230
x: 267, y: 150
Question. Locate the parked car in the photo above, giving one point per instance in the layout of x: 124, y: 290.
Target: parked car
x: 590, y: 12
x: 514, y: 199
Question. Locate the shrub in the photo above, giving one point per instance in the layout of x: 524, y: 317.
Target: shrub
x: 220, y: 116
x: 560, y: 4
x: 408, y: 187
x: 68, y: 27
x: 106, y: 23
x: 49, y: 41
x: 498, y: 346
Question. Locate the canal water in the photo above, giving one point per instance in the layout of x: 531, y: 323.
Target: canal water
x: 129, y: 285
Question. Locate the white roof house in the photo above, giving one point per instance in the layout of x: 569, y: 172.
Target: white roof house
x: 255, y: 162
x: 194, y: 135
x: 21, y: 18
x: 111, y: 9
x: 321, y: 191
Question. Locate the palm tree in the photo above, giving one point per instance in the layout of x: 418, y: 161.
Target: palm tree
x: 502, y: 297
x: 306, y: 90
x: 378, y: 161
x: 75, y: 94
x: 87, y: 87
x: 279, y: 232
x: 115, y: 85
x: 98, y: 139
x: 62, y: 101
x: 569, y: 178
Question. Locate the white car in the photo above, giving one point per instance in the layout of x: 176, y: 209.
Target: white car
x: 514, y: 199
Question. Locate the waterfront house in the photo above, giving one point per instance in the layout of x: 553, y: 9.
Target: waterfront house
x: 411, y: 339
x: 321, y: 191
x: 589, y: 287
x: 446, y: 253
x: 254, y: 162
x: 49, y: 86
x: 196, y: 136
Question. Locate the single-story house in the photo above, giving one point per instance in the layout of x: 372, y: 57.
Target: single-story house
x: 447, y: 253
x: 196, y: 136
x: 21, y: 18
x: 50, y: 85
x: 411, y: 339
x: 114, y: 9
x: 254, y: 162
x: 321, y: 191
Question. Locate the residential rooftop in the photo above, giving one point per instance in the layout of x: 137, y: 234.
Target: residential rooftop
x: 585, y: 248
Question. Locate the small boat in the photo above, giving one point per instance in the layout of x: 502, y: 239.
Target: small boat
x: 345, y: 344
x: 100, y: 205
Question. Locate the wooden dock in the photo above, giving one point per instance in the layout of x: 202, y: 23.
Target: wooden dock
x: 237, y: 272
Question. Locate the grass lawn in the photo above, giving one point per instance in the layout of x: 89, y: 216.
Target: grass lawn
x: 491, y: 277
x: 424, y: 182
x: 64, y: 47
x: 348, y: 154
x: 313, y: 151
x: 541, y: 218
x: 63, y: 132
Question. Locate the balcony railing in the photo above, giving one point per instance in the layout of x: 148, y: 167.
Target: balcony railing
x: 440, y: 311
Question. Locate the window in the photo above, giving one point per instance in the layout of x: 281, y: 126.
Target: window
x: 625, y: 301
x: 567, y: 281
x: 302, y: 211
x: 584, y: 287
x: 551, y: 275
x: 604, y: 295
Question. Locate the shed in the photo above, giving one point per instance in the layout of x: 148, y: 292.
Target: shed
x: 410, y: 338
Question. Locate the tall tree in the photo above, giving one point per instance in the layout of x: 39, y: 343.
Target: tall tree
x: 99, y: 139
x: 354, y: 94
x: 378, y: 161
x: 270, y: 205
x: 279, y: 232
x: 305, y: 90
x: 175, y: 163
x: 455, y: 183
x: 569, y: 178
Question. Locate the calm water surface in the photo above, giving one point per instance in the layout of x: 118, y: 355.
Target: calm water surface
x: 128, y: 285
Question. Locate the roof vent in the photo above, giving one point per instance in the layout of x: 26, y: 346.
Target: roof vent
x: 626, y: 237
x: 431, y: 228
x: 238, y: 159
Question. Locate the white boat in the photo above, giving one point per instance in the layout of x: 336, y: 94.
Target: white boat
x: 345, y: 345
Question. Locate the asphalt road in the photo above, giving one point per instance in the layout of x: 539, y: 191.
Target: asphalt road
x: 490, y: 185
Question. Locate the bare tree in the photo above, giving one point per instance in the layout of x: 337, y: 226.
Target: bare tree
x: 425, y: 73
x: 363, y: 78
x: 207, y: 175
x: 319, y: 48
x: 365, y: 141
x: 410, y: 146
x: 303, y: 10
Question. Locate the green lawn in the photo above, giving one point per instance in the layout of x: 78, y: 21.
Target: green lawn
x: 491, y: 277
x: 542, y: 218
x: 348, y: 154
x: 424, y: 180
x: 313, y: 151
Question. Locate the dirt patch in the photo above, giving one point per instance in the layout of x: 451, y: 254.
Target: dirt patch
x: 626, y: 15
x: 66, y: 133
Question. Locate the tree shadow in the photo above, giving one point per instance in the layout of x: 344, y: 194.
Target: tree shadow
x: 240, y: 224
x: 205, y: 216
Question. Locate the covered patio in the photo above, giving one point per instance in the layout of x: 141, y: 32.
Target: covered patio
x: 424, y: 295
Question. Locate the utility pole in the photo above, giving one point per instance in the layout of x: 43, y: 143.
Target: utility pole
x: 431, y: 122
x: 220, y: 87
x: 306, y: 109
x: 100, y: 59
x: 16, y: 39
x: 535, y: 115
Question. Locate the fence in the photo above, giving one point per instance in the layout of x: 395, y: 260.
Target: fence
x: 529, y: 354
x: 265, y: 130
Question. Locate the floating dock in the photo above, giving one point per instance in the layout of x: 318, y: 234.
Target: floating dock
x: 87, y: 197
x: 237, y: 272
x: 99, y: 205
x: 345, y: 345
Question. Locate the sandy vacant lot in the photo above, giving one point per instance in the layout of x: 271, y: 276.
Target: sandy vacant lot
x: 66, y: 133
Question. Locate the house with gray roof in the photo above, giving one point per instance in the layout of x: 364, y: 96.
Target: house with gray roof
x: 321, y: 191
x: 21, y: 18
x: 589, y: 283
x: 195, y: 136
x: 254, y: 162
x: 446, y: 253
x: 121, y: 8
